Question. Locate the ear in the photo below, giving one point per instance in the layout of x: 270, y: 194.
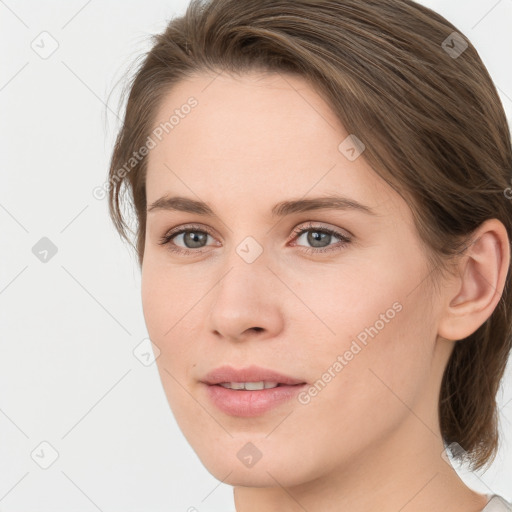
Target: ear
x: 472, y: 296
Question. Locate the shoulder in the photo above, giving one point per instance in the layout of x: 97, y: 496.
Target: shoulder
x: 497, y: 504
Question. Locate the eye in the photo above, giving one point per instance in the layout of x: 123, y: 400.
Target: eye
x: 195, y: 237
x: 320, y: 238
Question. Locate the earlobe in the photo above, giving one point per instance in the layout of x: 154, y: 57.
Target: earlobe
x: 482, y: 273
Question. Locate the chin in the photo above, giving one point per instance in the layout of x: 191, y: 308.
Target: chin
x: 240, y: 461
x: 258, y: 476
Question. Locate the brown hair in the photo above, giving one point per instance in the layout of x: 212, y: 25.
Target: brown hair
x: 423, y: 104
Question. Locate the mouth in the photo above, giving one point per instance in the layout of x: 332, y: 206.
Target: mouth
x: 251, y: 391
x: 252, y: 386
x: 250, y: 378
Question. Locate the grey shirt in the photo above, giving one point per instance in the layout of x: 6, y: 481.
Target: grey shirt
x: 497, y: 504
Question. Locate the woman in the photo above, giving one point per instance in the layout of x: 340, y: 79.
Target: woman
x: 323, y: 229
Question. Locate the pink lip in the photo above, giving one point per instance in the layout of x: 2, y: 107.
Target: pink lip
x: 249, y: 403
x: 247, y: 374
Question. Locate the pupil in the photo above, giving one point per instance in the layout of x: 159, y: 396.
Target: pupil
x: 315, y: 236
x: 193, y: 238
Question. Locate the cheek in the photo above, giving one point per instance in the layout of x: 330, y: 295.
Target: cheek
x: 154, y: 302
x: 380, y: 353
x: 168, y: 296
x: 165, y: 313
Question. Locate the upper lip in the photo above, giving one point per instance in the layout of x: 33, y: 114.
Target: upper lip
x: 247, y: 374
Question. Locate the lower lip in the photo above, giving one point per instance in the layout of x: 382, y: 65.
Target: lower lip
x: 250, y: 403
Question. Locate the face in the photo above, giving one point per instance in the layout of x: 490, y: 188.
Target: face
x: 330, y: 294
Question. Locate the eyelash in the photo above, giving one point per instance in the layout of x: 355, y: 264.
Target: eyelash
x: 344, y: 240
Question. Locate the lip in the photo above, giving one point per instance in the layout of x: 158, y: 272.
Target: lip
x: 243, y: 403
x: 248, y: 374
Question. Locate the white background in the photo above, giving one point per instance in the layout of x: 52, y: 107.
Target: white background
x: 68, y: 375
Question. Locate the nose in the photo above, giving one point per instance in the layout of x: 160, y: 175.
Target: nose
x: 247, y: 302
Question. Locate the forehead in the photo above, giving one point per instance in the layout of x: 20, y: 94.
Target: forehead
x: 266, y: 113
x: 263, y: 133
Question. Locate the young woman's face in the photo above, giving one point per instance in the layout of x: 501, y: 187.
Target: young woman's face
x: 257, y: 280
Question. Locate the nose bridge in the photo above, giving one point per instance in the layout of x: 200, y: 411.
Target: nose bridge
x: 245, y: 275
x: 243, y: 297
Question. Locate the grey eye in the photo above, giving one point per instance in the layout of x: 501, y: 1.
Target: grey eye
x: 317, y: 237
x: 193, y: 239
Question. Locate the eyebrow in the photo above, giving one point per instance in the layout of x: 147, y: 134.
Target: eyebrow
x: 332, y: 202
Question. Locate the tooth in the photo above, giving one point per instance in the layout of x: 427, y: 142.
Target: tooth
x: 233, y: 385
x: 254, y: 386
x: 250, y: 386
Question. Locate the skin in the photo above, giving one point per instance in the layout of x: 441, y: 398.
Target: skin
x: 370, y: 440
